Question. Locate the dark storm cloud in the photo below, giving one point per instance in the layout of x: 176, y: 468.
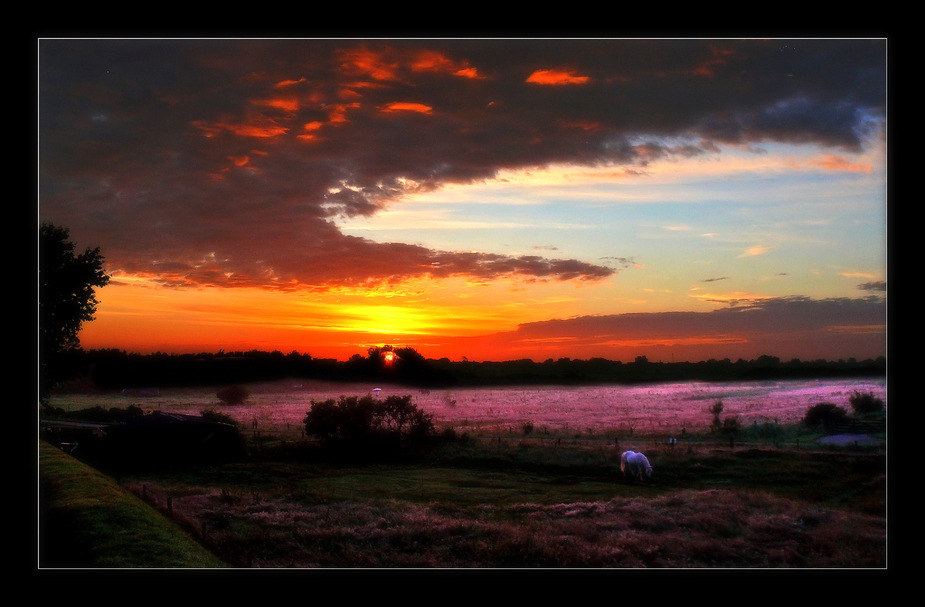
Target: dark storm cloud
x: 227, y: 161
x: 877, y: 285
x: 770, y: 316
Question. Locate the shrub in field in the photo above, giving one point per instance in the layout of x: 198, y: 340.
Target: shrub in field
x: 233, y: 395
x: 731, y: 425
x: 715, y: 409
x: 827, y: 414
x: 865, y: 403
x: 366, y: 419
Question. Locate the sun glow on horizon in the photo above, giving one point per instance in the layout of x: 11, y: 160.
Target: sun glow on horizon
x: 137, y: 314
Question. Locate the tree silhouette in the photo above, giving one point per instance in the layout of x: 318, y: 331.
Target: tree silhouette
x: 369, y: 422
x: 66, y: 297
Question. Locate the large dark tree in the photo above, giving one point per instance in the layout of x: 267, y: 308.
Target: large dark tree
x: 66, y: 297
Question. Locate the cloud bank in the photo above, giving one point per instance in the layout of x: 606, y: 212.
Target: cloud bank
x: 793, y: 327
x: 227, y: 162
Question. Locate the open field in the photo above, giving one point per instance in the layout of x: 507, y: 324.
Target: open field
x: 551, y: 498
x: 513, y: 508
x: 653, y: 410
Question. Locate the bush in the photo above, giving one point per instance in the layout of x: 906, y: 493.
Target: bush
x: 865, y: 403
x: 731, y: 425
x: 233, y: 395
x: 828, y: 414
x: 353, y: 419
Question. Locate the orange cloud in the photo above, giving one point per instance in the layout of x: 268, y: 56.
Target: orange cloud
x: 338, y: 112
x: 708, y: 67
x: 387, y: 64
x: 286, y: 83
x: 362, y: 61
x: 262, y: 128
x: 434, y: 61
x: 400, y: 106
x: 288, y: 104
x: 556, y: 77
x: 349, y: 93
x: 468, y: 72
x: 260, y: 131
x: 308, y: 129
x: 839, y: 163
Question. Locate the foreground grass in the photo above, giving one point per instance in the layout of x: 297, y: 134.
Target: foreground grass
x: 714, y: 508
x: 707, y: 529
x: 88, y: 520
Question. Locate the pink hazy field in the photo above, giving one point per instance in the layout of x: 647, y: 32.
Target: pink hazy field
x: 649, y: 410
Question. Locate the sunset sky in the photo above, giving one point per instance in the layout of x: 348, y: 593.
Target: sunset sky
x: 493, y: 199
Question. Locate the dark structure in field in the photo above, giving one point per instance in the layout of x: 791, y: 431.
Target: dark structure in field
x: 150, y: 441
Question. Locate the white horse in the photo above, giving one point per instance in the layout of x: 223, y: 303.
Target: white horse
x: 635, y: 465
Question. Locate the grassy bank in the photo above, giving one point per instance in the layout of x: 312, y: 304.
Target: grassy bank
x: 88, y: 520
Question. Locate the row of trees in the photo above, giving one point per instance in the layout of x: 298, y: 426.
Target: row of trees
x: 117, y: 369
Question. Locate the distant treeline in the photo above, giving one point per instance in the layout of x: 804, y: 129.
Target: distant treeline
x: 117, y: 369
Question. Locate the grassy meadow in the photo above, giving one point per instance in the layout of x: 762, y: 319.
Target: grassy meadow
x: 713, y: 508
x: 508, y: 494
x: 659, y: 411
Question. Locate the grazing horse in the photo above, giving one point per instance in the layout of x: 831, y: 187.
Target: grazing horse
x: 635, y: 465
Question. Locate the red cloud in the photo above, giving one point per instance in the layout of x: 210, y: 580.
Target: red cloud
x: 556, y: 77
x: 401, y: 106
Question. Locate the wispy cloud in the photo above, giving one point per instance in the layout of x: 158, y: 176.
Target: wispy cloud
x: 755, y: 250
